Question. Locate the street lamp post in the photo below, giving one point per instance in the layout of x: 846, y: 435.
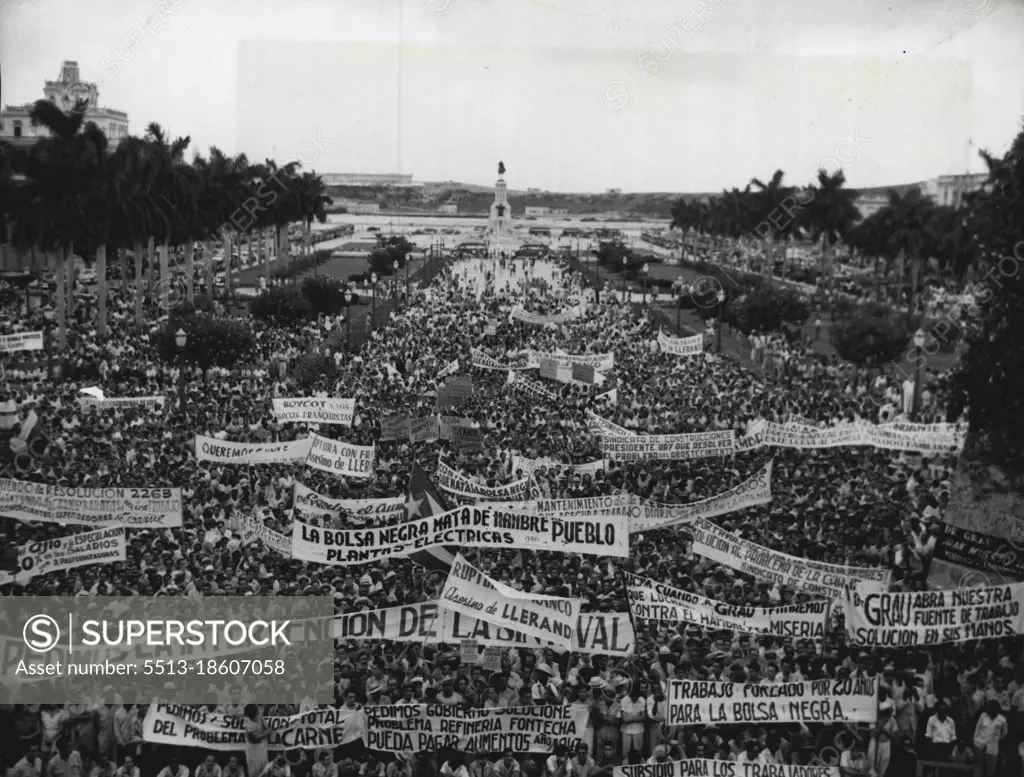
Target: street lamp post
x: 48, y: 316
x: 373, y: 303
x: 625, y: 262
x: 721, y: 316
x: 679, y: 311
x: 407, y: 278
x: 348, y: 319
x: 645, y: 269
x: 919, y: 341
x: 394, y: 285
x: 180, y: 340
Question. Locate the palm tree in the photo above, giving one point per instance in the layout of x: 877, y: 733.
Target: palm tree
x: 829, y: 212
x: 771, y: 218
x: 907, y: 218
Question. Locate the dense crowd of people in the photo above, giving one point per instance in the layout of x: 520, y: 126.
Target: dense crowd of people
x: 852, y: 506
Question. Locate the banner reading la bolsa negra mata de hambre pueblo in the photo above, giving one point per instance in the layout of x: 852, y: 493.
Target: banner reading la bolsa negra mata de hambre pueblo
x: 136, y: 508
x: 812, y: 577
x: 403, y: 728
x: 933, y: 617
x: 315, y: 410
x: 470, y: 592
x: 695, y: 702
x: 472, y: 527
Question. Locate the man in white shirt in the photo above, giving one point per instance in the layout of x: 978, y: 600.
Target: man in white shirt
x: 941, y: 732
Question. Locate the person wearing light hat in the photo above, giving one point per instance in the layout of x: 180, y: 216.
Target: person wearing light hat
x: 545, y: 689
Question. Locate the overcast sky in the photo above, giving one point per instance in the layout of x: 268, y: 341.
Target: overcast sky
x: 573, y: 95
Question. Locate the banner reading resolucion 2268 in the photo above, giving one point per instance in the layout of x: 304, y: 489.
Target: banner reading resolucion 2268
x: 136, y: 508
x: 341, y: 458
x: 674, y: 447
x: 228, y: 452
x: 654, y: 601
x: 471, y: 527
x: 315, y: 410
x: 933, y: 617
x: 700, y: 768
x: 681, y: 346
x: 813, y: 577
x: 694, y: 702
x: 468, y: 591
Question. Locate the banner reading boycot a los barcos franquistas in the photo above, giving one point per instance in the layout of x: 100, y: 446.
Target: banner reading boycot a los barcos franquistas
x: 694, y: 702
x: 315, y: 410
x: 228, y: 452
x: 813, y: 577
x: 136, y: 508
x: 341, y: 458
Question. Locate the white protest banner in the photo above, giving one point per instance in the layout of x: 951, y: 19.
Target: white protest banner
x: 196, y: 726
x: 681, y: 346
x: 254, y: 529
x: 519, y: 314
x: 341, y: 458
x: 471, y: 527
x: 480, y: 359
x: 136, y: 508
x: 702, y: 768
x: 602, y: 362
x: 394, y: 427
x: 529, y: 466
x: 694, y: 702
x: 530, y: 388
x: 469, y: 592
x: 228, y: 452
x: 414, y: 728
x: 754, y: 491
x: 813, y: 577
x: 309, y: 503
x: 653, y: 601
x: 425, y: 429
x: 450, y: 369
x: 601, y: 426
x: 674, y: 447
x: 315, y: 410
x: 933, y: 617
x: 103, y: 546
x: 456, y: 483
x: 111, y: 403
x: 596, y: 633
x: 596, y: 506
x: 926, y: 438
x: 22, y: 341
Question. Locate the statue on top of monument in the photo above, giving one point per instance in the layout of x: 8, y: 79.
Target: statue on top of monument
x: 501, y: 168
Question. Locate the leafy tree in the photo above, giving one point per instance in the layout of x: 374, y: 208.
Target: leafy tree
x: 766, y: 310
x: 868, y: 340
x: 325, y: 295
x: 382, y: 262
x: 282, y: 305
x: 313, y: 367
x: 611, y: 253
x: 211, y: 341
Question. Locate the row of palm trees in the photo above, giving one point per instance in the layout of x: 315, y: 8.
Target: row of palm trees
x: 909, y: 229
x: 72, y: 193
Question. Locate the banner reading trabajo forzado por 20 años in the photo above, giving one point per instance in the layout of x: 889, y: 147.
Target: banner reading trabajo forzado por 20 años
x: 191, y: 726
x: 674, y: 447
x: 654, y: 601
x: 471, y: 527
x: 136, y: 508
x: 315, y: 410
x: 813, y: 577
x: 608, y: 634
x: 228, y: 452
x: 694, y: 702
x: 403, y: 728
x: 468, y: 591
x: 933, y: 617
x: 341, y: 458
x: 695, y: 767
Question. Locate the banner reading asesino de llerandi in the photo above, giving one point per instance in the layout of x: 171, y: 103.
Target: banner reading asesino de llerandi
x: 813, y: 577
x: 228, y: 452
x: 933, y: 617
x: 341, y: 458
x: 21, y: 341
x: 695, y: 767
x: 456, y: 483
x: 672, y: 447
x: 654, y: 601
x: 315, y: 410
x: 135, y: 508
x: 596, y: 633
x: 405, y: 728
x: 681, y: 346
x: 694, y: 702
x: 188, y: 726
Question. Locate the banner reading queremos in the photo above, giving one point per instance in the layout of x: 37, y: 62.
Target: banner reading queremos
x: 472, y: 527
x: 701, y: 445
x: 21, y: 341
x: 933, y: 617
x: 136, y: 508
x: 341, y: 458
x: 103, y: 546
x: 654, y: 601
x: 309, y: 503
x: 228, y: 452
x: 315, y: 410
x: 468, y: 591
x: 456, y: 483
x: 814, y: 701
x: 813, y: 577
x: 608, y: 634
x: 403, y: 728
x: 695, y: 767
x: 174, y: 724
x: 754, y: 491
x: 681, y: 346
